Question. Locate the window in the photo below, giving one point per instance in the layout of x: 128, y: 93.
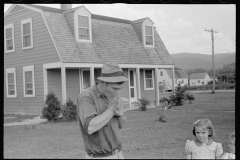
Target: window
x: 198, y: 81
x: 149, y: 35
x: 9, y: 38
x: 148, y: 80
x: 83, y: 27
x: 27, y: 36
x: 161, y: 73
x: 28, y: 81
x: 202, y: 82
x: 11, y: 82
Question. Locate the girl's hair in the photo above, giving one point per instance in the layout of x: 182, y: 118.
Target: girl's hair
x: 232, y: 137
x: 204, y: 123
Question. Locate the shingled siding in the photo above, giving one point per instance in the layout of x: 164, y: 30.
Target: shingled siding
x: 54, y: 82
x: 149, y: 94
x: 43, y: 52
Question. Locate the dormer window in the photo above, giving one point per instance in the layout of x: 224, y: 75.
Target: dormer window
x: 83, y: 27
x: 149, y: 35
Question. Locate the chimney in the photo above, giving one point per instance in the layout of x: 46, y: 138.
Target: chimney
x: 66, y: 6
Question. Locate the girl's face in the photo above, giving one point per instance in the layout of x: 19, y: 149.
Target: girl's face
x: 202, y: 134
x: 231, y: 146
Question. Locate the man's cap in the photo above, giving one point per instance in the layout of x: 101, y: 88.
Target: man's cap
x: 112, y: 73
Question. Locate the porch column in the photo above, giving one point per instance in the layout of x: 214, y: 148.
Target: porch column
x: 138, y: 83
x: 91, y: 76
x: 157, y: 86
x: 64, y: 89
x: 45, y: 83
x: 173, y: 79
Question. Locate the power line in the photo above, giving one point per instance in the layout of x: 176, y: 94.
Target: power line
x: 213, y: 90
x: 163, y: 35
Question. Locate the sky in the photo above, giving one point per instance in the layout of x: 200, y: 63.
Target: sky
x: 180, y: 26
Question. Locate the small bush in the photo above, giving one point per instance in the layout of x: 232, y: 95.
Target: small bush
x: 189, y: 97
x: 52, y: 107
x: 142, y: 104
x: 179, y: 97
x: 69, y: 111
x: 164, y: 99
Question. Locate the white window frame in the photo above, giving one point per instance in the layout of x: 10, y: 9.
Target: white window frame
x: 11, y: 70
x: 5, y: 40
x: 90, y: 29
x: 31, y: 33
x: 144, y: 78
x: 144, y: 36
x: 29, y: 68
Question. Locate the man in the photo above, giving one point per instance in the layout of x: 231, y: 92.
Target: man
x: 101, y: 114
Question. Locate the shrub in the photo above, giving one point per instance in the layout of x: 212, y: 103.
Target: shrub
x: 189, y: 97
x: 163, y: 100
x: 179, y: 96
x: 142, y: 104
x: 52, y: 107
x: 69, y: 111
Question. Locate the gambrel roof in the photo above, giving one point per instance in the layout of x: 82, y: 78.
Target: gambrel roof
x: 198, y: 75
x: 113, y: 40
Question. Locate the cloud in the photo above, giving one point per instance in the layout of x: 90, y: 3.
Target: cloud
x: 173, y: 26
x: 125, y: 11
x: 201, y: 43
x: 180, y: 23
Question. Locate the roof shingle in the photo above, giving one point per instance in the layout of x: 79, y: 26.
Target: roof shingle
x: 198, y: 75
x: 179, y: 74
x: 113, y: 40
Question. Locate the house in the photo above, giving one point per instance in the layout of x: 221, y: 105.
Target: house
x: 180, y: 77
x: 197, y: 79
x: 63, y: 50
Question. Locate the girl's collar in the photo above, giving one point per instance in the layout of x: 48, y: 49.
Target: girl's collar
x: 208, y: 143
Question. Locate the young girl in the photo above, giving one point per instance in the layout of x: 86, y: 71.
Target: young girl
x: 231, y: 146
x: 203, y: 147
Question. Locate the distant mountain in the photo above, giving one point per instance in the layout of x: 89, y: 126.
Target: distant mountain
x: 195, y: 60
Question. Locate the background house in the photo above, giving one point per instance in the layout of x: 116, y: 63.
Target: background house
x: 197, y: 79
x: 180, y: 77
x: 62, y: 50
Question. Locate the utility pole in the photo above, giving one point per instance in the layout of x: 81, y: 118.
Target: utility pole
x: 213, y: 89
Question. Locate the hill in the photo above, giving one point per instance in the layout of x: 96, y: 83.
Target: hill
x: 196, y: 60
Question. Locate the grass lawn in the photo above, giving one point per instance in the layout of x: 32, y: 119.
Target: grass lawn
x: 142, y: 136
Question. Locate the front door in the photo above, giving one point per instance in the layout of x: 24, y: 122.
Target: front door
x: 132, y: 85
x: 84, y: 79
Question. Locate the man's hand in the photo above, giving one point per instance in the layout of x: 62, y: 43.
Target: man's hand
x: 121, y: 107
x: 112, y: 101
